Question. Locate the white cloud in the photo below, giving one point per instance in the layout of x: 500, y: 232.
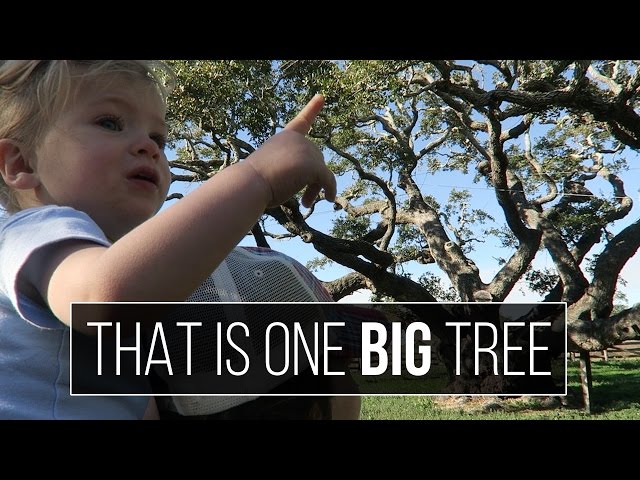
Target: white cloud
x: 359, y: 296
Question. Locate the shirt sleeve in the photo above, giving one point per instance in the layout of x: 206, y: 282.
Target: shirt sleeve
x: 29, y: 231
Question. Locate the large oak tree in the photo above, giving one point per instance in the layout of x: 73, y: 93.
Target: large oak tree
x: 539, y: 133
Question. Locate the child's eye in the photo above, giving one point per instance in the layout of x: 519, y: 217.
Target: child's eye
x: 110, y: 123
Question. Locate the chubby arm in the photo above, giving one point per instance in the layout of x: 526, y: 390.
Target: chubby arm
x: 168, y: 256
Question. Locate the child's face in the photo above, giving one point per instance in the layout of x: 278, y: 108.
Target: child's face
x: 104, y: 154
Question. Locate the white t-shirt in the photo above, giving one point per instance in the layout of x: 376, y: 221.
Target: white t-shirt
x: 34, y: 344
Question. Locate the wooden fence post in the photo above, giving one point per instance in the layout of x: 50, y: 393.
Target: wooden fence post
x: 585, y: 379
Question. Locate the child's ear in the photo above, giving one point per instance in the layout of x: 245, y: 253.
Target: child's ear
x: 14, y: 166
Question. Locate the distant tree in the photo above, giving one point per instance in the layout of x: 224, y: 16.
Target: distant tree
x: 539, y: 133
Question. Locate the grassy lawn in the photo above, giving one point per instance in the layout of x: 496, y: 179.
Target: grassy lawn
x: 615, y: 396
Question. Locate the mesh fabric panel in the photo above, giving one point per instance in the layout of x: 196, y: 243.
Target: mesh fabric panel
x: 246, y: 275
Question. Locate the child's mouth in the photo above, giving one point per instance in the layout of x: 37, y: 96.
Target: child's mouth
x: 144, y: 176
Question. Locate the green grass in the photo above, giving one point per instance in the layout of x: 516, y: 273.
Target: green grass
x: 615, y: 396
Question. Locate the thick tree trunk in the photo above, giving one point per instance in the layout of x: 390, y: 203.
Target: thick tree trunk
x: 601, y: 333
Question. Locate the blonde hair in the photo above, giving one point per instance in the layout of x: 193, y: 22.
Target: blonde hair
x: 33, y: 91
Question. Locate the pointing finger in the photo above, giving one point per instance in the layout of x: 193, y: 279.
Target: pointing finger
x: 305, y: 118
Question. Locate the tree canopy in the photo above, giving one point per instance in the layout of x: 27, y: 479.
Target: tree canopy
x: 540, y: 134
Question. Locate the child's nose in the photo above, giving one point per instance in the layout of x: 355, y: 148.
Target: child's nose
x: 145, y: 145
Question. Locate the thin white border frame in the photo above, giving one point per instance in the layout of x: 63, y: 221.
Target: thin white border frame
x: 319, y: 394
